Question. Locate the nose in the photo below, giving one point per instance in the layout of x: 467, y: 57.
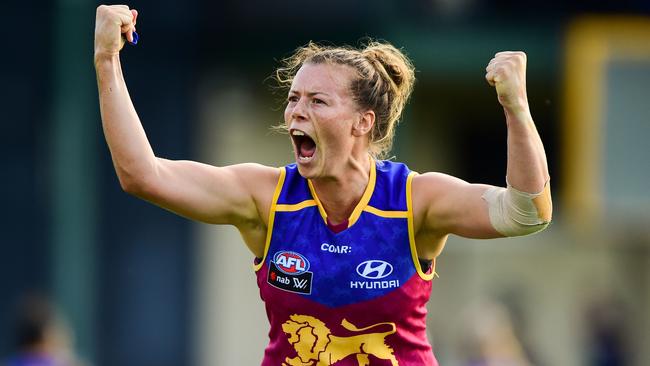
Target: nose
x: 297, y: 111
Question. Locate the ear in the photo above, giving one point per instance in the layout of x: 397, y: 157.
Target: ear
x: 364, y: 124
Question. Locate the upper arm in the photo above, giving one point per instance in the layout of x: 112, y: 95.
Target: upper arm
x: 236, y: 194
x: 444, y: 205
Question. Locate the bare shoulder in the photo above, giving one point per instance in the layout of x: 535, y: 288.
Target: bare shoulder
x: 233, y: 194
x: 429, y: 190
x: 258, y: 182
x: 257, y: 173
x: 431, y: 185
x: 444, y: 204
x: 261, y: 181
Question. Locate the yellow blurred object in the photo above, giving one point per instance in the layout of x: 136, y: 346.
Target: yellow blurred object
x: 593, y: 43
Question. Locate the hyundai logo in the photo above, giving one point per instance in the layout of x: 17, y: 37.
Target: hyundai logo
x: 374, y: 269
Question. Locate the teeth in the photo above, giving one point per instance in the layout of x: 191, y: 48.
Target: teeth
x: 305, y: 158
x: 297, y: 133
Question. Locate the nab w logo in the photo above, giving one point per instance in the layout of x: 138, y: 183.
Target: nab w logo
x: 300, y: 283
x: 374, y: 269
x: 289, y: 271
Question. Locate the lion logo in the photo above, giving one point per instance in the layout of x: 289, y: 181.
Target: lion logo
x: 316, y: 346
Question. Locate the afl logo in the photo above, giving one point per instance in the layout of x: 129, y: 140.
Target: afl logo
x: 291, y: 262
x: 374, y: 269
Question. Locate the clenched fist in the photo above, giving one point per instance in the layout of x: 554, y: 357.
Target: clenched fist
x: 110, y: 23
x: 507, y: 73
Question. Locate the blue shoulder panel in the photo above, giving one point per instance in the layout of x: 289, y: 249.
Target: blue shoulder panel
x: 390, y: 187
x: 295, y: 188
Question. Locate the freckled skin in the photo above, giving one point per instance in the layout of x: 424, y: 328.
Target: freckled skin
x: 327, y: 117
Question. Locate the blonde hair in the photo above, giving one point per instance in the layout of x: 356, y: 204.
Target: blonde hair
x: 385, y: 78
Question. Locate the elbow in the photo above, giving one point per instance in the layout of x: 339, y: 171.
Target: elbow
x: 135, y: 185
x: 137, y: 182
x: 516, y: 213
x: 130, y: 185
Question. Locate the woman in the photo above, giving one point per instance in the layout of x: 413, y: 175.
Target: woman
x: 345, y: 244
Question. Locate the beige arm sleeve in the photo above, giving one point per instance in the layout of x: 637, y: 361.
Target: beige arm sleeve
x: 516, y: 213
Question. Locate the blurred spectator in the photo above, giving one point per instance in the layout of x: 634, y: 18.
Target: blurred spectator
x: 41, y: 337
x: 488, y: 337
x: 605, y: 319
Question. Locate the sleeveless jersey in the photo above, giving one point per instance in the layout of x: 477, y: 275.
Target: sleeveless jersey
x: 357, y: 297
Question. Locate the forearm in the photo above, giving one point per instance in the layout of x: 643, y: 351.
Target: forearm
x: 131, y: 152
x: 525, y: 206
x: 527, y: 169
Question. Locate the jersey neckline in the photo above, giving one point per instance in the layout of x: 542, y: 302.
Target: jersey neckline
x: 363, y: 202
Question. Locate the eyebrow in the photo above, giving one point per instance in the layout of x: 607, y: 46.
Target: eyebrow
x: 311, y: 94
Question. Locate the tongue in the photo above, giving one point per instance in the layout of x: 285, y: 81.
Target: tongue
x: 307, y: 148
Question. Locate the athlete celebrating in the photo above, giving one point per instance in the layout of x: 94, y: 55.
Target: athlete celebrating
x: 345, y: 243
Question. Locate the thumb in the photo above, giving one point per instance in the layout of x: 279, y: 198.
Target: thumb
x: 131, y: 35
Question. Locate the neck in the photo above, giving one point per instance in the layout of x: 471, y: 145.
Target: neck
x: 340, y: 193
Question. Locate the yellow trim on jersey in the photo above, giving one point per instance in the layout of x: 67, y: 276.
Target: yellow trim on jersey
x: 388, y: 214
x: 296, y: 206
x: 323, y: 214
x: 269, y: 229
x: 414, y: 252
x: 362, y: 203
x: 366, y: 195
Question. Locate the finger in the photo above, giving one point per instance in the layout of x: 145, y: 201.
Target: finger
x: 125, y: 17
x: 127, y: 34
x: 127, y: 31
x: 491, y: 64
x: 495, y: 60
x: 512, y: 54
x: 489, y: 77
x: 505, y: 53
x: 134, y: 34
x: 128, y: 18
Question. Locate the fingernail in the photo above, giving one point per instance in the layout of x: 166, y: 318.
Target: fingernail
x: 135, y: 38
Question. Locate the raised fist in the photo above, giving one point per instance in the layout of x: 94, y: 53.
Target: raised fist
x: 110, y: 23
x: 507, y: 73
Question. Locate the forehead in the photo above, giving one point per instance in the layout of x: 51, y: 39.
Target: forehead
x: 326, y: 78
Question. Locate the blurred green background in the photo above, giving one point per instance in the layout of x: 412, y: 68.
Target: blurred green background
x: 139, y: 286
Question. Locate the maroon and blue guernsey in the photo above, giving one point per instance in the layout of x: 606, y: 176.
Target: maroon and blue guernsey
x: 352, y: 297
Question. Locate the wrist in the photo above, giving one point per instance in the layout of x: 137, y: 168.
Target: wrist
x: 105, y: 57
x: 518, y: 114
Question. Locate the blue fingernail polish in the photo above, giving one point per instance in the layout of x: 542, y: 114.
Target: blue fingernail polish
x: 135, y: 38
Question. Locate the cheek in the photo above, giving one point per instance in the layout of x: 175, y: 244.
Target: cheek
x: 287, y: 114
x: 336, y: 135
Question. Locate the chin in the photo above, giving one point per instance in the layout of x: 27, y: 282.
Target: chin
x: 310, y: 169
x: 306, y: 172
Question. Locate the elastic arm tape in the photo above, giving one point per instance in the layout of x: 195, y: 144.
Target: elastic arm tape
x: 515, y: 213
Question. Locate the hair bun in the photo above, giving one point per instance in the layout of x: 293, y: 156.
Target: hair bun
x: 396, y: 65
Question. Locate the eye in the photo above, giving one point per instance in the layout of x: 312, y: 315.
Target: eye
x: 318, y: 101
x: 292, y: 99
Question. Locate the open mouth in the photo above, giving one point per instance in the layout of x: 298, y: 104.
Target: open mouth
x: 305, y: 145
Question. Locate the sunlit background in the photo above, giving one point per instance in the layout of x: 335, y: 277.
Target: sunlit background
x: 140, y: 286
